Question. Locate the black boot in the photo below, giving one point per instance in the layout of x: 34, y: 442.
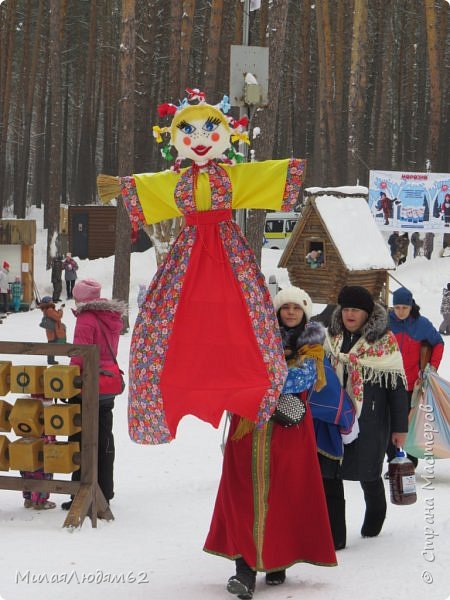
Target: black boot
x: 242, y: 584
x: 276, y: 577
x: 375, y: 498
x: 334, y: 495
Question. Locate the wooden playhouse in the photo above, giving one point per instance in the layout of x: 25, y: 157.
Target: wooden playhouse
x: 347, y: 247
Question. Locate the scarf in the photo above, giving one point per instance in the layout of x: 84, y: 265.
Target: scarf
x: 312, y: 351
x: 379, y: 362
x: 317, y: 353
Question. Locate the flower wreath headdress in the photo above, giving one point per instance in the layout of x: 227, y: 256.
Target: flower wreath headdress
x: 195, y: 97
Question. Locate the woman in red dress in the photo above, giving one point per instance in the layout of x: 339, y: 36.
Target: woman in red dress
x: 270, y: 511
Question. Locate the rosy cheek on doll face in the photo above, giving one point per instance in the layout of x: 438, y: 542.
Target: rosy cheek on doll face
x: 215, y: 137
x: 187, y: 141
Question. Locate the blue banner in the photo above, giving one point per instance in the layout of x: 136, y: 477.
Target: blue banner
x: 410, y: 201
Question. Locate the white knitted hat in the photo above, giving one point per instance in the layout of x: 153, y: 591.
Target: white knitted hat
x: 296, y: 296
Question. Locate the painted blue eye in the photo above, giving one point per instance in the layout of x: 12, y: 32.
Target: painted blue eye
x: 211, y: 124
x: 188, y: 128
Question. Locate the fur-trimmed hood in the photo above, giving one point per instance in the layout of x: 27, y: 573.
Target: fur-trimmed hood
x: 108, y: 313
x: 373, y: 329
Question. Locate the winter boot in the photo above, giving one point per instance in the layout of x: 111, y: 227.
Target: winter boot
x: 376, y: 507
x: 242, y: 584
x: 334, y: 495
x: 276, y: 577
x: 47, y: 505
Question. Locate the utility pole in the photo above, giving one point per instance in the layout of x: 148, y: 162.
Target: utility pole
x: 241, y: 215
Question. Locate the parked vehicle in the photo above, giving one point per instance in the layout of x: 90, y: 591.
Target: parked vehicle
x: 278, y: 229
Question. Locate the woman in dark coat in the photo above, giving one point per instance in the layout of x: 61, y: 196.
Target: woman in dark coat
x: 367, y: 360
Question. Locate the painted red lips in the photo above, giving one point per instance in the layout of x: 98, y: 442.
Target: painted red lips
x: 201, y: 150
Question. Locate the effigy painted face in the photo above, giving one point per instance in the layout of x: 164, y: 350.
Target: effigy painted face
x: 201, y: 133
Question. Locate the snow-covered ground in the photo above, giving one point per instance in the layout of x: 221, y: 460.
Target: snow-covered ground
x: 165, y: 495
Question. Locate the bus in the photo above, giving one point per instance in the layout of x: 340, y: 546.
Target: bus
x: 278, y: 229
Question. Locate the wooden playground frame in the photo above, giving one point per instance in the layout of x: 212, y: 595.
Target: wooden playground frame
x: 88, y: 498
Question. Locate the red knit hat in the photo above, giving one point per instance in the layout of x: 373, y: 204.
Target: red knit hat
x: 6, y: 265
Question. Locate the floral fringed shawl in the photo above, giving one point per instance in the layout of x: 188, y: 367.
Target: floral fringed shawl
x: 380, y: 362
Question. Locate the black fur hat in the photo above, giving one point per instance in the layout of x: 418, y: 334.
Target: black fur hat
x: 356, y: 296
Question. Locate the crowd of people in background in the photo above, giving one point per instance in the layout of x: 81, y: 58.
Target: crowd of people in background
x: 11, y: 289
x: 399, y: 245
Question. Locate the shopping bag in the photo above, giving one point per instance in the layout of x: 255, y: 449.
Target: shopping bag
x: 429, y: 419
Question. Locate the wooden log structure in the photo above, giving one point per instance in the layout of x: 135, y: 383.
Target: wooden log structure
x: 323, y: 284
x: 88, y: 497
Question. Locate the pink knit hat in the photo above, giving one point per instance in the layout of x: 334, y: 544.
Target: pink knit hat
x: 86, y: 290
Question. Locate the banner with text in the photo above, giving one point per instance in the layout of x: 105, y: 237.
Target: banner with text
x: 410, y: 201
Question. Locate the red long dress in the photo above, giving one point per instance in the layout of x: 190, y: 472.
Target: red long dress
x: 270, y: 507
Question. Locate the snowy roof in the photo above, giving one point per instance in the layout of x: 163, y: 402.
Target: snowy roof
x: 345, y: 189
x: 354, y: 232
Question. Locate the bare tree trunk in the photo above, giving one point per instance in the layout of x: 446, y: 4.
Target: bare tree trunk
x: 108, y: 92
x: 176, y: 13
x: 6, y: 70
x: 121, y: 284
x: 163, y: 235
x: 213, y: 47
x: 340, y: 44
x: 357, y: 90
x: 85, y: 189
x: 146, y: 99
x: 29, y: 86
x: 327, y: 135
x: 19, y: 178
x: 435, y: 81
x: 54, y: 197
x: 301, y: 92
x: 186, y: 41
x: 382, y: 117
x: 39, y: 167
